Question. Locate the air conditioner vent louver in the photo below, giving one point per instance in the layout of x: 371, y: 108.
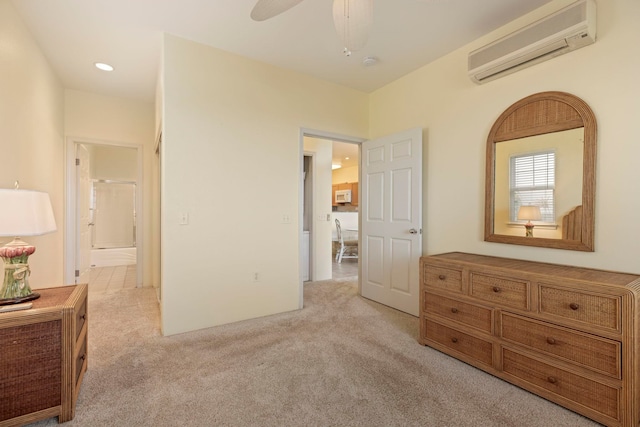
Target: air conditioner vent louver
x: 566, y: 30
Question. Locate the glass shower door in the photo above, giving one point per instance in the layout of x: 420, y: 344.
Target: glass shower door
x: 114, y: 215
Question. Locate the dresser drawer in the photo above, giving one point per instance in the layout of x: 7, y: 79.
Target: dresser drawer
x: 81, y: 317
x: 81, y: 362
x: 593, y: 309
x: 468, y: 314
x: 597, y: 396
x: 599, y: 354
x: 449, y: 279
x: 460, y: 342
x: 501, y: 291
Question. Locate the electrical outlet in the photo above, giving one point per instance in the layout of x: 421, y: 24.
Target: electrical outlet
x: 286, y: 219
x: 256, y: 277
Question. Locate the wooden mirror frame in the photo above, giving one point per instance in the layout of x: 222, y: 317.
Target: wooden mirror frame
x: 538, y: 114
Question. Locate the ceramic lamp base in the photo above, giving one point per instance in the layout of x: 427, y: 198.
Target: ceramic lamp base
x: 15, y: 285
x: 528, y: 230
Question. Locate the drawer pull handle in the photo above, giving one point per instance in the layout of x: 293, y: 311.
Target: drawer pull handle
x: 454, y: 310
x: 83, y: 317
x: 454, y: 340
x: 442, y: 277
x: 552, y: 380
x: 551, y: 341
x: 574, y: 306
x: 496, y: 289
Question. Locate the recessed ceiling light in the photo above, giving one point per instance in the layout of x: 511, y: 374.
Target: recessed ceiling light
x: 104, y: 67
x: 335, y: 166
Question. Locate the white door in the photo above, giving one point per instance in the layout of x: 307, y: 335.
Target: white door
x: 83, y: 215
x: 391, y: 215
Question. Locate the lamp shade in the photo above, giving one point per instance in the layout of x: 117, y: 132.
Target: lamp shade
x: 25, y: 213
x: 529, y: 213
x: 353, y: 20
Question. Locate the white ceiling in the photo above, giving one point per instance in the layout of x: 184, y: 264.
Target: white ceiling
x: 345, y: 154
x: 406, y: 34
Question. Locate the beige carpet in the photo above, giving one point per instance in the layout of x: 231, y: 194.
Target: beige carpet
x: 341, y: 361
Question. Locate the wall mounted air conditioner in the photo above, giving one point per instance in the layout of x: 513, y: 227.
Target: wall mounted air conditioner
x: 568, y: 29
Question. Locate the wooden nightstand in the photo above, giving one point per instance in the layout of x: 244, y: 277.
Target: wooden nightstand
x: 43, y: 357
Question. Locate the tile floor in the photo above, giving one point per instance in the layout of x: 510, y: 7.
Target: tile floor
x: 104, y: 279
x: 347, y: 268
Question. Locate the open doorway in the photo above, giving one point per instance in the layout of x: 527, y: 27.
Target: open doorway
x: 104, y: 215
x: 345, y: 174
x: 317, y: 216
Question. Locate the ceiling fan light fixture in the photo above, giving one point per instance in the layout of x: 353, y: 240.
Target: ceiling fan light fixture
x: 265, y: 9
x: 353, y: 20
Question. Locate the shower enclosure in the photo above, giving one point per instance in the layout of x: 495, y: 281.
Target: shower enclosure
x: 113, y: 221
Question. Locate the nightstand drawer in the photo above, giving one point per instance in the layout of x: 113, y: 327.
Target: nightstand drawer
x: 593, y: 309
x: 460, y: 342
x: 468, y: 314
x: 81, y: 317
x: 443, y: 278
x: 500, y: 290
x: 596, y: 353
x: 597, y: 396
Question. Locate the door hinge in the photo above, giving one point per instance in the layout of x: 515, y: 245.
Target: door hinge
x: 77, y: 162
x: 77, y: 273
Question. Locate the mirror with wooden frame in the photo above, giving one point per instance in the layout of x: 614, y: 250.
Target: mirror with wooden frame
x: 540, y: 174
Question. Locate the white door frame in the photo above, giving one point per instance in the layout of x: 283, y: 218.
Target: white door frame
x: 314, y: 133
x: 70, y: 205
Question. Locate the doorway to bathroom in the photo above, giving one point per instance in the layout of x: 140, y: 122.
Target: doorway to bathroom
x: 104, y: 206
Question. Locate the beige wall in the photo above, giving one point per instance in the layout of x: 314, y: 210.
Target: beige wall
x: 99, y: 118
x: 113, y: 162
x: 31, y: 141
x: 457, y: 115
x: 343, y: 175
x: 231, y: 160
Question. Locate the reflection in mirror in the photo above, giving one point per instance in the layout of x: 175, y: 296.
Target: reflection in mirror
x: 543, y: 171
x: 540, y: 174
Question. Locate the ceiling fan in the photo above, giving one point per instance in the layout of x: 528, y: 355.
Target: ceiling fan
x: 351, y: 18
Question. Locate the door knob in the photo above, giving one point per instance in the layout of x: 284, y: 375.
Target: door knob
x: 413, y: 231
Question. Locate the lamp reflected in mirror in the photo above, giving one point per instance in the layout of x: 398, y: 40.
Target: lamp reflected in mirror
x: 529, y: 213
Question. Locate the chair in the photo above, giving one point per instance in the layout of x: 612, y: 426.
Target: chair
x: 348, y: 248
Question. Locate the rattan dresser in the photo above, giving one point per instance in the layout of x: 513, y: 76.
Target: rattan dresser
x: 565, y: 333
x: 43, y: 357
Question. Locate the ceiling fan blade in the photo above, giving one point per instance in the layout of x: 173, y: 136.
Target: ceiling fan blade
x: 265, y: 9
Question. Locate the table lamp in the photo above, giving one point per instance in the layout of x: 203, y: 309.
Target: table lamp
x: 22, y: 213
x: 529, y: 213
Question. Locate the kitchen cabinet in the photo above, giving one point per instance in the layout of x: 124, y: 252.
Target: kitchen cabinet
x: 353, y: 186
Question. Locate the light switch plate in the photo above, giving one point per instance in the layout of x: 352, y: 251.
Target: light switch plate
x: 184, y: 218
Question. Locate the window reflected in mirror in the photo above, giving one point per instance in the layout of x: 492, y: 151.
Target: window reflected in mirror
x: 544, y: 171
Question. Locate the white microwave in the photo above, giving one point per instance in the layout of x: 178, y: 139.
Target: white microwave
x: 343, y: 196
